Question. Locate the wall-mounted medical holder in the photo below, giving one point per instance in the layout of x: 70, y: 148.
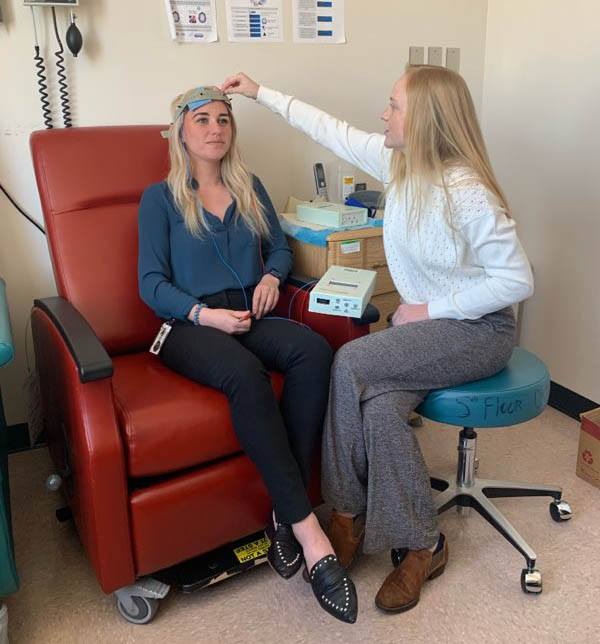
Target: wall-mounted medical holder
x: 74, y: 42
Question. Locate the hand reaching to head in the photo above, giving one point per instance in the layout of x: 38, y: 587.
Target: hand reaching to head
x: 240, y: 84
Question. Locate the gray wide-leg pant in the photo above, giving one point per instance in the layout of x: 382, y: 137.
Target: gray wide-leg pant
x: 372, y: 463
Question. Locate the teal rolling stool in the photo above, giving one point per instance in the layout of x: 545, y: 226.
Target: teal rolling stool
x: 517, y: 394
x: 9, y: 582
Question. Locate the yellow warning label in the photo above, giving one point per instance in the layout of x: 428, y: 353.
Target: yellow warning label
x: 252, y: 550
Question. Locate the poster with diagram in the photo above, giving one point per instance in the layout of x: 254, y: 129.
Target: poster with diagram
x: 192, y: 21
x: 319, y: 22
x: 254, y: 20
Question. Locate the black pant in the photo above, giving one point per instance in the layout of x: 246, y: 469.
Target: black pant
x: 280, y: 439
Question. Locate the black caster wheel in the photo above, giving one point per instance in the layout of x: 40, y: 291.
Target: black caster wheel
x: 398, y: 555
x: 560, y: 511
x: 64, y: 514
x: 145, y: 610
x: 531, y: 581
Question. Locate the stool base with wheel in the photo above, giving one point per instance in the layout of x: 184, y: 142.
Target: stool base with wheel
x: 517, y: 394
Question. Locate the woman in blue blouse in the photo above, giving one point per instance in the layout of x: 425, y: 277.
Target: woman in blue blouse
x: 212, y: 256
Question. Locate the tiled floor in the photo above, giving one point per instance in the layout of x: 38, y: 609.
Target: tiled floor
x: 478, y: 599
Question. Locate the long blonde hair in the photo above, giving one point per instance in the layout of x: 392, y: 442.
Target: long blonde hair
x: 441, y: 132
x: 236, y: 178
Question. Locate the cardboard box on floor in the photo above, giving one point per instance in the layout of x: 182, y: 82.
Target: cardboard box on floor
x: 588, y: 456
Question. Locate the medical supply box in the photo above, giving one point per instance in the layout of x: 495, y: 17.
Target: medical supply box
x: 331, y: 215
x: 588, y: 454
x: 342, y: 291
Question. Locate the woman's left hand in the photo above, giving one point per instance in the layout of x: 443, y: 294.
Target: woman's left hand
x: 266, y: 296
x: 407, y: 313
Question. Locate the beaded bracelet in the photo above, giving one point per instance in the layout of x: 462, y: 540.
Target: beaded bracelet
x: 197, y: 310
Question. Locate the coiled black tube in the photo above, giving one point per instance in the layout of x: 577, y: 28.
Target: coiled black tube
x: 62, y: 76
x: 42, y: 87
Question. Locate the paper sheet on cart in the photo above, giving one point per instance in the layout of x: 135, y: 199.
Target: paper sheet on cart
x: 255, y: 20
x: 319, y: 22
x: 192, y: 21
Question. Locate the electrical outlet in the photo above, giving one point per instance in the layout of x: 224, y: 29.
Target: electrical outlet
x: 453, y: 58
x: 416, y: 55
x: 434, y: 56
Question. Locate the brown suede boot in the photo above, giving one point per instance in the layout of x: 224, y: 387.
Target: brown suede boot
x: 402, y: 587
x: 346, y: 535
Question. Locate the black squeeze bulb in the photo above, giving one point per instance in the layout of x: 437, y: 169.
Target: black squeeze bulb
x: 74, y: 38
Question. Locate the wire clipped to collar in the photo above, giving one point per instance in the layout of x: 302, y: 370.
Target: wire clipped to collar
x: 199, y: 97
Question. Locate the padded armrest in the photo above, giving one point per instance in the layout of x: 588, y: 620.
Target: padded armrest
x: 83, y: 437
x: 336, y: 329
x: 91, y: 358
x: 369, y: 316
x: 7, y: 349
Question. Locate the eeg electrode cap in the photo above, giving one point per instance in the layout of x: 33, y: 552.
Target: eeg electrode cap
x: 199, y: 97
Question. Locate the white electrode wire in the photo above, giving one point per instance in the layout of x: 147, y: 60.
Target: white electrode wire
x: 35, y: 35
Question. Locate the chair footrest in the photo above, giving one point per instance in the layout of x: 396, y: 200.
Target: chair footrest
x: 219, y: 564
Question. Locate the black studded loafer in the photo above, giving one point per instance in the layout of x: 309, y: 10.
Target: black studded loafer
x: 285, y: 553
x: 334, y: 590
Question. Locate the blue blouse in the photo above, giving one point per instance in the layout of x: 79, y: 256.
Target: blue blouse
x: 176, y: 269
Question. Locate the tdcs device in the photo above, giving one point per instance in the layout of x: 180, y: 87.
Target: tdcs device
x: 331, y: 215
x: 343, y: 291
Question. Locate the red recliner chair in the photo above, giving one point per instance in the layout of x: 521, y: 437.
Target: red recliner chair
x: 150, y: 466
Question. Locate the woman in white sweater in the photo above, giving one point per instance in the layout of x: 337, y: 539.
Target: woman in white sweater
x: 455, y: 258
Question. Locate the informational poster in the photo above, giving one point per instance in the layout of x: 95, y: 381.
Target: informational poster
x: 192, y: 21
x: 319, y: 21
x: 254, y: 20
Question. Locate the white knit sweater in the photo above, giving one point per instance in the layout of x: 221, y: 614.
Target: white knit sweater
x: 463, y: 271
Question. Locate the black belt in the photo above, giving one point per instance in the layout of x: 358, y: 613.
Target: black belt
x: 230, y: 299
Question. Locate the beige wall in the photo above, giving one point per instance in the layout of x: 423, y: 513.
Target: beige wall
x: 540, y: 115
x: 130, y: 69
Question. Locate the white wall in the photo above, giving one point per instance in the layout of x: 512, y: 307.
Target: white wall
x: 540, y: 114
x: 130, y: 69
